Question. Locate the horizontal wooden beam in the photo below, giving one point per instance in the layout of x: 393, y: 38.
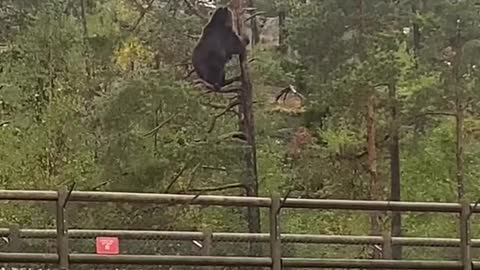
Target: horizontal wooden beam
x: 369, y: 264
x: 229, y: 261
x: 238, y: 201
x: 241, y: 237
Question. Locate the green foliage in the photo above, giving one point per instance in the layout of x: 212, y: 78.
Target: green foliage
x: 268, y: 69
x: 106, y: 106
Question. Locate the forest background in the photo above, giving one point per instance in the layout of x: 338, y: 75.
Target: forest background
x: 93, y: 93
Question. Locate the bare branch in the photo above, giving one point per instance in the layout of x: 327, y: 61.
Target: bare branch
x: 206, y: 84
x: 189, y: 74
x: 98, y: 186
x: 254, y: 15
x: 434, y: 113
x: 193, y: 36
x: 228, y: 108
x: 232, y: 80
x: 153, y: 131
x: 142, y: 15
x: 380, y: 84
x: 84, y: 19
x: 223, y: 169
x: 288, y: 90
x: 214, y: 105
x: 247, y: 9
x: 137, y: 5
x: 177, y: 176
x: 235, y: 134
x: 68, y: 7
x: 231, y: 90
x: 219, y: 188
x: 282, y: 202
x: 195, y: 10
x: 211, y: 88
x: 192, y: 174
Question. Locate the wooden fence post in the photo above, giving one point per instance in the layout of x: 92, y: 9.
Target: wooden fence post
x: 275, y: 241
x: 387, y: 246
x: 62, y: 234
x: 465, y: 235
x: 206, y: 246
x: 14, y: 239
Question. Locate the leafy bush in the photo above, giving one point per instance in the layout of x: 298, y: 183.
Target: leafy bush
x: 268, y: 69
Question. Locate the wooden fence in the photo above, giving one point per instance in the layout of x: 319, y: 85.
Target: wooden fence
x: 274, y: 261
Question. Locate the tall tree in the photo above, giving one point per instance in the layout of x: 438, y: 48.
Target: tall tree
x: 457, y: 47
x: 247, y: 127
x: 395, y: 184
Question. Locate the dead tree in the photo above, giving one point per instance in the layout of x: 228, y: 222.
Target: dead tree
x: 241, y: 104
x: 247, y: 127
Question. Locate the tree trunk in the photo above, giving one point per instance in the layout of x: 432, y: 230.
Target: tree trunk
x: 459, y: 116
x: 416, y: 36
x: 254, y: 26
x: 375, y: 187
x: 247, y: 126
x: 282, y: 35
x: 395, y: 189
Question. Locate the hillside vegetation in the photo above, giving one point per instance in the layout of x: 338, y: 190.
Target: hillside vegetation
x: 94, y: 93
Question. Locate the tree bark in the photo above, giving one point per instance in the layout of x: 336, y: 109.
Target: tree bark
x: 247, y: 126
x: 375, y: 186
x: 416, y: 36
x: 460, y: 119
x: 282, y: 34
x: 395, y: 188
x: 459, y: 115
x: 254, y: 26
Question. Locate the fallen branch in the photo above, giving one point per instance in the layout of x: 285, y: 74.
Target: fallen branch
x: 206, y: 167
x: 98, y: 186
x: 216, y: 106
x: 288, y: 90
x: 230, y: 90
x: 191, y: 178
x: 177, y: 176
x: 235, y: 134
x: 153, y: 131
x: 434, y: 113
x: 380, y: 85
x: 208, y: 85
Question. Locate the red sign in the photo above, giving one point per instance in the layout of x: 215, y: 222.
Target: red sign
x: 107, y: 245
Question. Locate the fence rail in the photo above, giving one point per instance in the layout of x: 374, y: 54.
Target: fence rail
x: 238, y: 201
x: 275, y: 261
x: 231, y: 261
x: 237, y: 237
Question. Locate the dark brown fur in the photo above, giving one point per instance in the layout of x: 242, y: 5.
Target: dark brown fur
x: 218, y: 43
